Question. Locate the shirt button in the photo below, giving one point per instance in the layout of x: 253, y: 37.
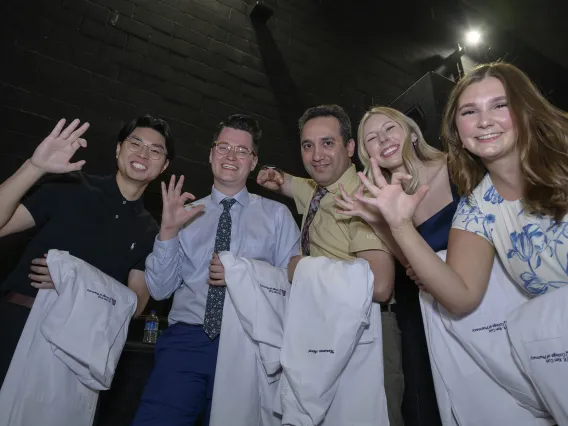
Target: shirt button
x: 123, y: 202
x: 116, y: 217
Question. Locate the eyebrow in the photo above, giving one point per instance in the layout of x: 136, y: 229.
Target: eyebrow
x: 472, y: 104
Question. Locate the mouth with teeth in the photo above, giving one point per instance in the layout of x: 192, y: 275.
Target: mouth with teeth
x: 320, y: 167
x: 490, y: 137
x: 138, y: 166
x: 389, y: 151
x: 228, y: 166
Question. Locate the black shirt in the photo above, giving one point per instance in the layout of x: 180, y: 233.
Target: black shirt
x: 87, y: 216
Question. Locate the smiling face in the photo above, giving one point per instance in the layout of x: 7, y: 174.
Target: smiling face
x: 384, y: 140
x: 484, y: 122
x: 134, y: 155
x: 324, y: 153
x: 229, y: 172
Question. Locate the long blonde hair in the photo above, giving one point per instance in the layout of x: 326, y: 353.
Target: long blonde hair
x: 542, y: 141
x: 411, y: 151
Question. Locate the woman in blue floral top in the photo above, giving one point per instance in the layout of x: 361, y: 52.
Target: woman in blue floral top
x: 508, y: 157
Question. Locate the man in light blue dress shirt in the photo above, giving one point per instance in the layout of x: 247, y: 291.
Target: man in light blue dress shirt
x: 184, y: 263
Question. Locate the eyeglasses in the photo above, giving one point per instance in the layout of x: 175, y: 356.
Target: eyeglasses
x: 224, y: 148
x: 136, y: 145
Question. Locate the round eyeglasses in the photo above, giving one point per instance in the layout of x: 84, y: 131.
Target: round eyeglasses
x: 135, y: 145
x: 224, y: 148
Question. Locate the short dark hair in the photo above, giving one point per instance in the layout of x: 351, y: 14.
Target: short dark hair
x: 241, y: 122
x: 328, y: 111
x: 149, y: 122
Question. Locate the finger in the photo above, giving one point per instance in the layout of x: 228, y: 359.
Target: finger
x: 409, y: 271
x: 42, y: 270
x: 215, y: 265
x: 81, y: 143
x: 371, y: 187
x: 346, y: 212
x: 367, y: 200
x: 164, y: 192
x: 171, y: 186
x: 44, y: 286
x: 216, y: 275
x: 188, y: 196
x: 73, y: 167
x: 400, y: 178
x: 216, y: 256
x: 57, y: 129
x: 69, y: 129
x: 261, y: 177
x: 344, y: 194
x: 344, y: 204
x: 40, y: 278
x: 420, y: 193
x: 194, y: 211
x: 359, y: 190
x: 40, y: 261
x: 179, y: 185
x: 377, y: 175
x: 216, y: 283
x: 77, y: 133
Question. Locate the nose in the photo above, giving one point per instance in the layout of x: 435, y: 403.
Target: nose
x: 144, y: 152
x: 382, y: 137
x: 317, y: 153
x: 232, y: 154
x: 485, y: 119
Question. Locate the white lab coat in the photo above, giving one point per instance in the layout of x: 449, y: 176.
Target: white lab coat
x: 248, y: 361
x: 332, y: 355
x: 483, y: 334
x: 69, y: 347
x: 538, y: 331
x: 466, y: 394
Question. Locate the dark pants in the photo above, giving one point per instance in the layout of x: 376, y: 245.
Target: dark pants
x: 392, y: 358
x: 180, y: 388
x: 13, y: 319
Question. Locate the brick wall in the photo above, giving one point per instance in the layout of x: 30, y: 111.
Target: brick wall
x: 194, y: 62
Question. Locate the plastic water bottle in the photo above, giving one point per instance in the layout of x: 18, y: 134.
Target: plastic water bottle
x: 151, y: 328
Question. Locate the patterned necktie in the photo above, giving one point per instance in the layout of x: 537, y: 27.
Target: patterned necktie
x: 216, y: 295
x: 314, y: 205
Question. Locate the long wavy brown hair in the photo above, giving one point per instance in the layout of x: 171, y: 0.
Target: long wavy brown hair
x: 412, y: 152
x: 542, y: 141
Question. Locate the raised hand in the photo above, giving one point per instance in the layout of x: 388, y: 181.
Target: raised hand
x: 349, y: 205
x: 396, y: 206
x: 270, y: 178
x: 54, y: 153
x: 175, y: 213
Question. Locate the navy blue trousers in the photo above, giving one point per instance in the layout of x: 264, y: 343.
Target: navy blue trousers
x: 180, y: 388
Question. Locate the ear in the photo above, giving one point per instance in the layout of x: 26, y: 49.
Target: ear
x: 211, y: 156
x: 413, y: 137
x: 254, y: 163
x: 118, y: 146
x: 350, y: 148
x: 166, y: 164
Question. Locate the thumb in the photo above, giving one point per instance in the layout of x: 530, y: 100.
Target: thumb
x: 420, y: 193
x: 77, y: 166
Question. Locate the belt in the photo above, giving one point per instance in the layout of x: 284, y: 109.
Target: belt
x: 18, y: 299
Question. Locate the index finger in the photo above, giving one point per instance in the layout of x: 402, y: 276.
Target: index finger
x: 377, y: 174
x: 79, y: 132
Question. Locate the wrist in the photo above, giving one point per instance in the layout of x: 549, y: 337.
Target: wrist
x: 401, y: 229
x: 33, y: 170
x: 167, y: 233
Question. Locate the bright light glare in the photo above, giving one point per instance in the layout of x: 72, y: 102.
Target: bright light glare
x: 473, y: 37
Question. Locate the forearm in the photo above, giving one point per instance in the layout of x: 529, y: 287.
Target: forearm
x: 15, y: 187
x: 445, y: 285
x: 382, y: 291
x: 163, y: 269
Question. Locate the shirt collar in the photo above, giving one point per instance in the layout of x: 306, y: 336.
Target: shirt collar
x: 242, y: 197
x: 348, y: 176
x: 108, y: 183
